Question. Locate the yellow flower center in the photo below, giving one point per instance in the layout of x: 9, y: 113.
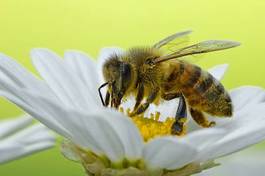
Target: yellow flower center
x: 152, y: 126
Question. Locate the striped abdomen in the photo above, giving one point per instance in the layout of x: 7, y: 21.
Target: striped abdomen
x: 201, y: 90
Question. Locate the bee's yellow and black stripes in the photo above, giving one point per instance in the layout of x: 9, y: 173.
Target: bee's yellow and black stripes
x: 176, y: 73
x: 191, y: 76
x: 204, y: 84
x: 201, y: 90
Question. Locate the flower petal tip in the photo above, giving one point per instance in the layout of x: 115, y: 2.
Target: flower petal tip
x: 218, y: 71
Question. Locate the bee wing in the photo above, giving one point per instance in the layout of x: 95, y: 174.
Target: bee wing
x: 199, y: 48
x: 171, y: 38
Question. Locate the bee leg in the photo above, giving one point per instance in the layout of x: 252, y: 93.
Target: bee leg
x: 142, y: 107
x: 111, y: 99
x: 107, y: 98
x: 171, y: 96
x: 178, y: 127
x: 139, y: 96
x: 200, y: 119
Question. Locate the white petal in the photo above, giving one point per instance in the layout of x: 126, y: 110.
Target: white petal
x: 107, y: 138
x: 115, y: 136
x: 242, y: 136
x: 104, y: 133
x: 53, y: 116
x: 67, y: 86
x: 34, y: 134
x: 167, y: 109
x: 203, y: 137
x: 8, y: 127
x: 129, y: 102
x: 218, y: 71
x: 108, y: 133
x: 11, y: 151
x: 37, y: 147
x: 104, y: 54
x: 25, y: 142
x: 7, y: 64
x: 68, y: 150
x: 23, y: 98
x: 169, y: 153
x: 246, y: 116
x: 247, y: 95
x: 128, y: 133
x: 101, y: 130
x: 192, y: 125
x: 28, y: 102
x: 245, y: 163
x: 15, y: 75
x: 85, y: 68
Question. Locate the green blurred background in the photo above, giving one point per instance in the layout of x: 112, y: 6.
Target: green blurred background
x: 90, y: 25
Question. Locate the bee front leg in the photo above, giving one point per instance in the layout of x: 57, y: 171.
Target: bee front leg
x: 139, y: 96
x: 178, y: 127
x: 107, y: 99
x: 142, y: 107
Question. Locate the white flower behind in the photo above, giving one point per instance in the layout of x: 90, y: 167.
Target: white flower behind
x: 244, y: 163
x: 18, y: 139
x: 103, y: 139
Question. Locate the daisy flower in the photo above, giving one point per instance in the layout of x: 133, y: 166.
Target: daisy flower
x: 107, y: 142
x: 19, y: 139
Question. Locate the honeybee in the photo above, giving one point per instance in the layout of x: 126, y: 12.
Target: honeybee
x: 151, y: 75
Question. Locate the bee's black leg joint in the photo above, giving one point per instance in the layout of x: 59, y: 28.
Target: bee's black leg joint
x: 180, y: 117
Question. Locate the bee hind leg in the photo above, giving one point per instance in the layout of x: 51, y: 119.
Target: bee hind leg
x: 200, y: 119
x: 178, y: 127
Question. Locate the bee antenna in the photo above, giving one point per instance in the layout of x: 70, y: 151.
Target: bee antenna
x: 100, y: 94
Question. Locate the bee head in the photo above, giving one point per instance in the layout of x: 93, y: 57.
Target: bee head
x: 118, y: 75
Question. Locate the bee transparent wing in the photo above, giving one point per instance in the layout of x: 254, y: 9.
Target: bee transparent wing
x: 199, y: 48
x: 172, y: 38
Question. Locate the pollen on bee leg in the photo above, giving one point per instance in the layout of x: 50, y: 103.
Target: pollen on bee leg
x: 184, y: 131
x: 179, y: 127
x: 182, y: 120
